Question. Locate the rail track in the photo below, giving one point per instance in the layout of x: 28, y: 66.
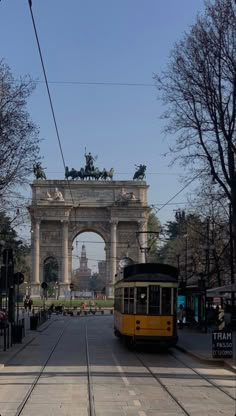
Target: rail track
x: 167, y: 389
x: 91, y: 406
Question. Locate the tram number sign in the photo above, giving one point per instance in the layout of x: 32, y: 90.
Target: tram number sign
x: 222, y: 344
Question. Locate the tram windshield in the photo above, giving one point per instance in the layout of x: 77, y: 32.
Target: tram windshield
x: 141, y: 303
x: 166, y: 301
x: 154, y: 300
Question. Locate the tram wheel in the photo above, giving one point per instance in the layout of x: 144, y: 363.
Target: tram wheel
x: 129, y: 342
x: 117, y: 333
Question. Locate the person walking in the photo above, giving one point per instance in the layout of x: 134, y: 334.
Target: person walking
x: 180, y: 316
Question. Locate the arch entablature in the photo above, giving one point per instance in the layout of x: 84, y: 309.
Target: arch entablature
x: 115, y: 210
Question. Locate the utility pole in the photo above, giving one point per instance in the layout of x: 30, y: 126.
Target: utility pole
x: 231, y: 257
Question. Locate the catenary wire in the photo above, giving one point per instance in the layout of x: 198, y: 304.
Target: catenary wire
x: 48, y: 91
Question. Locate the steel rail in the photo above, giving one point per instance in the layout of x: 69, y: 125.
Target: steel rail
x: 163, y: 385
x: 34, y: 383
x: 90, y: 384
x: 204, y: 377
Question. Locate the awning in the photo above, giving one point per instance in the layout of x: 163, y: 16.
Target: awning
x: 221, y: 291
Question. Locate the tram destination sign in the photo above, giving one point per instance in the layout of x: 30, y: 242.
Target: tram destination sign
x: 222, y: 344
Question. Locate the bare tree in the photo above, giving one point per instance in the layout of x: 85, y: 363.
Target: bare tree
x: 18, y: 134
x: 199, y: 89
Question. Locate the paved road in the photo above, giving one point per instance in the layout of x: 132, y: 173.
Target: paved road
x: 123, y: 383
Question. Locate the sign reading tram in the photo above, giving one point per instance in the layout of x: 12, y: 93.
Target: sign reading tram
x: 222, y: 344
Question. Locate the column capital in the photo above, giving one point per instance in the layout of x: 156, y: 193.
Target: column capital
x: 114, y: 222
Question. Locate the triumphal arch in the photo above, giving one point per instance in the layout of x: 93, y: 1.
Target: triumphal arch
x: 62, y: 209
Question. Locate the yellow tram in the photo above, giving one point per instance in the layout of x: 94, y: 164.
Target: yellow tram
x: 145, y: 308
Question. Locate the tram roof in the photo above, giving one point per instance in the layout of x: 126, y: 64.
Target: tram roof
x: 148, y: 271
x: 150, y: 277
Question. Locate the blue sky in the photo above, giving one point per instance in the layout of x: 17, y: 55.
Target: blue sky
x: 103, y: 41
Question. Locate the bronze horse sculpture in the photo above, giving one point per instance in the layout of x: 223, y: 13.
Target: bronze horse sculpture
x: 140, y: 172
x: 94, y: 173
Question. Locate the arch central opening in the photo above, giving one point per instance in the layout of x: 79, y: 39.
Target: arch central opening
x: 89, y: 265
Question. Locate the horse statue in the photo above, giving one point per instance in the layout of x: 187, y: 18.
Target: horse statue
x: 105, y: 174
x: 140, y: 172
x: 38, y: 171
x: 74, y: 174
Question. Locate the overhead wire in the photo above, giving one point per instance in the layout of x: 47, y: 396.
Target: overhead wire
x: 117, y: 84
x: 181, y: 190
x: 85, y: 83
x: 48, y: 91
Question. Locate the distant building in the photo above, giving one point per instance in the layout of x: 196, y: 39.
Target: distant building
x: 82, y: 275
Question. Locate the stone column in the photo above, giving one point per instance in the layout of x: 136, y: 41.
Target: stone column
x: 113, y: 251
x: 35, y: 281
x: 113, y: 260
x: 142, y: 241
x: 64, y: 252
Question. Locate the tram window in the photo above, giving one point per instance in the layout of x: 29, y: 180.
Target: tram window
x: 175, y: 301
x: 154, y: 300
x: 126, y: 300
x: 131, y: 300
x: 141, y: 304
x: 118, y: 299
x: 166, y: 301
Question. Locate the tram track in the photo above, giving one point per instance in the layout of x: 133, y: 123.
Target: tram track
x: 34, y: 383
x: 202, y: 376
x: 26, y: 398
x: 91, y: 410
x: 165, y: 388
x: 173, y: 396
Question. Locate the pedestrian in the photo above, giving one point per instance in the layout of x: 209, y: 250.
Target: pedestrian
x: 30, y: 303
x: 26, y: 304
x: 180, y: 316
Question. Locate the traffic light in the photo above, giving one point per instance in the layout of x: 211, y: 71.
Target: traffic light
x: 44, y: 285
x: 7, y: 256
x: 18, y: 278
x: 72, y: 286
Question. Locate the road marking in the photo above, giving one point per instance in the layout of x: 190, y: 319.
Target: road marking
x: 119, y: 368
x: 141, y: 413
x: 132, y: 393
x: 137, y: 403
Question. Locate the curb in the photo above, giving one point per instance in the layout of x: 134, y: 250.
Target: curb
x: 31, y: 336
x: 209, y: 361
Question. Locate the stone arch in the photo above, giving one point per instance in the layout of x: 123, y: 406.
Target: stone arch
x: 103, y: 207
x: 46, y: 261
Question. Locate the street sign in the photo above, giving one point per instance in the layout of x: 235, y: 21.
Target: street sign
x: 222, y: 344
x: 44, y: 285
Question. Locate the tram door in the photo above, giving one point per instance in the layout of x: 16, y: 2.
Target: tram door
x: 147, y: 311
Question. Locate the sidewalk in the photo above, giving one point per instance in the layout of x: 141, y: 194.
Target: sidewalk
x: 6, y: 356
x: 199, y: 345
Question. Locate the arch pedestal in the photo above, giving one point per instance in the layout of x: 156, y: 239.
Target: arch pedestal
x: 116, y: 210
